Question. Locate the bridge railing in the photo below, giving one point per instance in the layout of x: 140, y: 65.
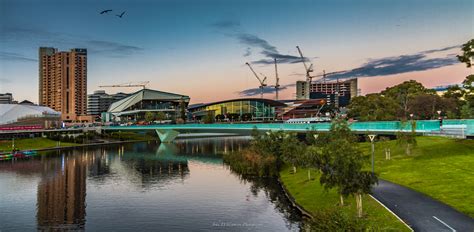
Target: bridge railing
x: 422, y: 126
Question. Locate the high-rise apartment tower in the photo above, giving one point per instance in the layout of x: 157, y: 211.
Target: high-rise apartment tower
x: 63, y: 82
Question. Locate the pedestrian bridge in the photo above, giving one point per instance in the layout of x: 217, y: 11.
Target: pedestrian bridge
x: 168, y: 132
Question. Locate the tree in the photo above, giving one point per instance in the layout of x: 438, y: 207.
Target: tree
x: 209, y: 117
x: 149, y: 116
x: 426, y: 106
x: 270, y: 143
x: 341, y: 163
x: 407, y: 139
x: 160, y: 116
x: 404, y: 93
x: 468, y: 53
x: 292, y: 150
x: 373, y: 107
x: 182, y: 109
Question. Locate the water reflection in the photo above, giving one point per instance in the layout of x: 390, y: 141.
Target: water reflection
x: 61, y: 202
x: 167, y: 186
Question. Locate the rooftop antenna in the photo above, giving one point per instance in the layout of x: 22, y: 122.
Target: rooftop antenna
x: 262, y: 81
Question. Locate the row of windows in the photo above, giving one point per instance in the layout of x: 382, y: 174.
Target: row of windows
x: 256, y: 108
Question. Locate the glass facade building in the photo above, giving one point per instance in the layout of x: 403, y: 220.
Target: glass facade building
x: 246, y: 109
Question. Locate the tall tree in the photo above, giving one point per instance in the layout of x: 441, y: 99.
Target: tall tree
x: 407, y: 139
x: 404, y: 93
x: 341, y: 163
x: 373, y: 107
x: 426, y: 106
x: 468, y: 53
x: 292, y: 150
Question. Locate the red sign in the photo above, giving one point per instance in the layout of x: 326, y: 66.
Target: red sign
x: 13, y: 128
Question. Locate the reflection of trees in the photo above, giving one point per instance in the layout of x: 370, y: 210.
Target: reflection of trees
x: 272, y: 189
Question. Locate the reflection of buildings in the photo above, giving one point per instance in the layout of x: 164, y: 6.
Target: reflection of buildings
x: 153, y: 169
x: 62, y: 193
x: 212, y: 146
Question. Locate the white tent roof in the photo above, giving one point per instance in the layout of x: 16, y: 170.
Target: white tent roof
x: 145, y: 94
x: 9, y: 113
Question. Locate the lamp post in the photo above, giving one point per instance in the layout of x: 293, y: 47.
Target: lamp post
x: 372, y: 138
x: 440, y: 118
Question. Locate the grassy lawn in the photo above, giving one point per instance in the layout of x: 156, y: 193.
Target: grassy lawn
x: 442, y: 168
x: 31, y: 143
x: 312, y: 196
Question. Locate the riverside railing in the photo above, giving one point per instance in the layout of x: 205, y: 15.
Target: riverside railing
x: 422, y: 126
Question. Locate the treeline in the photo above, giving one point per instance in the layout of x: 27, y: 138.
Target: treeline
x: 411, y: 99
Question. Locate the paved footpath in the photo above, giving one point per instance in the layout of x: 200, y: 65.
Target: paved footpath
x: 419, y: 211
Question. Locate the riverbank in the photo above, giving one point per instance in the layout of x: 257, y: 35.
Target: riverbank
x: 314, y: 199
x: 438, y: 167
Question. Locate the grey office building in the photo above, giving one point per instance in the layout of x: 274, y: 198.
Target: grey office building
x: 100, y: 101
x: 6, y: 98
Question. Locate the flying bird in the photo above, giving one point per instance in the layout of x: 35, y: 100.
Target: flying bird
x: 105, y: 11
x: 120, y: 15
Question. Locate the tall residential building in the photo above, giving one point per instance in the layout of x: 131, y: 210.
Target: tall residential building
x: 63, y: 82
x: 6, y: 98
x: 99, y: 101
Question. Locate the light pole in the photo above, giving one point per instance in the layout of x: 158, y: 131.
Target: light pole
x: 372, y: 138
x: 440, y: 118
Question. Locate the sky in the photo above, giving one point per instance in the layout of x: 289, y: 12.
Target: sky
x: 199, y: 47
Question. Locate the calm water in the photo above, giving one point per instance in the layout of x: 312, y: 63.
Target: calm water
x: 141, y: 187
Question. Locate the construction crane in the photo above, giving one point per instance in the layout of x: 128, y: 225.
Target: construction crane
x: 324, y: 74
x: 130, y: 84
x: 277, y: 84
x: 307, y: 69
x: 262, y: 81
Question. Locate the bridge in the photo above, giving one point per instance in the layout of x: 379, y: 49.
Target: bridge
x: 168, y: 132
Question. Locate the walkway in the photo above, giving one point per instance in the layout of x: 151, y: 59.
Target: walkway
x: 419, y: 211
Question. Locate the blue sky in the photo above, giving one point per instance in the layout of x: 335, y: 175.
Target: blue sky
x: 199, y: 48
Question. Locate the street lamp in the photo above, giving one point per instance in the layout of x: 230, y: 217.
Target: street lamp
x: 372, y: 138
x: 440, y: 118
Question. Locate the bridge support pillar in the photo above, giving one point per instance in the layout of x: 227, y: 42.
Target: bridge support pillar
x: 167, y: 136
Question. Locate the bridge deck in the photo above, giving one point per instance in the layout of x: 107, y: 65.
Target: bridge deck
x: 422, y: 126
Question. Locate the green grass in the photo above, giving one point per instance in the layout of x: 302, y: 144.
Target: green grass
x: 442, y: 168
x: 31, y: 143
x: 313, y: 198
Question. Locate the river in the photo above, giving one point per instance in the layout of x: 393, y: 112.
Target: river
x: 146, y: 186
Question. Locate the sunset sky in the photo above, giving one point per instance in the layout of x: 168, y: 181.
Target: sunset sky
x: 199, y: 48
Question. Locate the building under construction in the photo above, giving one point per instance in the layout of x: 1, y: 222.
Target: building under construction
x: 336, y: 93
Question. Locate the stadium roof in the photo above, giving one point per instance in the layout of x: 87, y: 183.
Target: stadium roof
x: 145, y: 94
x: 10, y: 113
